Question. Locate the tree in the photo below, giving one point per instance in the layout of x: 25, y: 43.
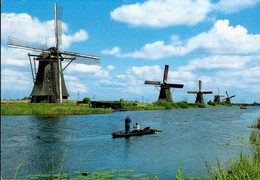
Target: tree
x: 86, y: 100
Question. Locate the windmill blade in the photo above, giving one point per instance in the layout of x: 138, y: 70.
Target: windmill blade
x: 227, y: 94
x: 192, y: 92
x: 175, y: 85
x: 73, y: 54
x: 81, y: 60
x: 21, y: 44
x: 152, y: 82
x: 224, y: 99
x: 207, y: 92
x: 58, y: 24
x: 199, y: 85
x: 165, y: 75
x: 232, y: 96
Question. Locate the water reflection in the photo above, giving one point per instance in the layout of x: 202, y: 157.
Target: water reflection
x: 50, y: 145
x: 191, y: 135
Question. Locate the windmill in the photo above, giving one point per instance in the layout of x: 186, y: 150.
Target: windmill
x: 228, y: 98
x: 217, y: 98
x: 49, y: 84
x: 165, y: 92
x: 200, y: 98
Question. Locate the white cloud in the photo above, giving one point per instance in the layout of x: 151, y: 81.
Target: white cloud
x: 220, y: 39
x: 114, y: 51
x: 110, y: 67
x: 234, y: 5
x: 25, y: 27
x: 15, y: 80
x: 13, y: 57
x: 217, y: 62
x: 162, y: 13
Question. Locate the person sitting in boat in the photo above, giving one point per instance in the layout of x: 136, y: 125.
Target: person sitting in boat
x: 137, y: 126
x: 127, y: 124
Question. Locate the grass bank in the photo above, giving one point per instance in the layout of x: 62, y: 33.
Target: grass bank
x: 49, y: 109
x: 159, y: 105
x: 244, y: 167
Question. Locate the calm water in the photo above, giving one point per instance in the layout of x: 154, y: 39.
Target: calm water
x: 84, y: 141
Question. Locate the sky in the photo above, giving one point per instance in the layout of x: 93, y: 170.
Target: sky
x: 215, y: 41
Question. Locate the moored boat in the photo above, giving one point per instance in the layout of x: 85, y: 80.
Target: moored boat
x: 144, y: 131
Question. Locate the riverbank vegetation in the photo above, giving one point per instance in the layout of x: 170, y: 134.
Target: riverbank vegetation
x: 24, y: 107
x: 244, y: 167
x: 49, y: 109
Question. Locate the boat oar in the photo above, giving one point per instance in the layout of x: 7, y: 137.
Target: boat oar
x: 158, y: 131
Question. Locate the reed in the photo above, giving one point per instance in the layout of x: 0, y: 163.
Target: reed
x: 49, y: 109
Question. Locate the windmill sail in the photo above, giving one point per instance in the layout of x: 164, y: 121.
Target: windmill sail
x: 49, y: 84
x: 165, y: 92
x: 199, y: 97
x: 21, y: 44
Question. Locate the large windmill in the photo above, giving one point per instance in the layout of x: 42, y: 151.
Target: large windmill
x: 49, y: 84
x: 165, y: 91
x: 200, y: 98
x: 228, y: 98
x: 217, y: 98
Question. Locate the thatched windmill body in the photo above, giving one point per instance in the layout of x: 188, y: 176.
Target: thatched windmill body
x: 165, y: 88
x: 49, y: 84
x: 228, y: 98
x: 199, y: 97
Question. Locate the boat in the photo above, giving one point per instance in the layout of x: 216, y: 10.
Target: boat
x: 144, y: 131
x: 243, y: 106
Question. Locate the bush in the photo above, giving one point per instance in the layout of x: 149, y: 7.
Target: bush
x: 183, y: 104
x: 212, y: 103
x: 86, y: 100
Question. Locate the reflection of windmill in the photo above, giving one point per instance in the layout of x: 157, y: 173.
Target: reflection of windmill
x: 199, y: 98
x: 49, y: 84
x: 165, y: 92
x: 217, y: 98
x: 228, y: 98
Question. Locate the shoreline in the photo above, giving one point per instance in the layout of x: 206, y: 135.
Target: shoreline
x: 26, y: 108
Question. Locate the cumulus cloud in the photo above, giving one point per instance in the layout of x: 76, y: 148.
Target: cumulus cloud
x: 163, y: 13
x: 74, y: 84
x: 114, y: 51
x: 13, y: 57
x: 217, y: 62
x: 13, y: 79
x: 220, y: 39
x: 110, y: 67
x: 233, y: 5
x: 25, y: 27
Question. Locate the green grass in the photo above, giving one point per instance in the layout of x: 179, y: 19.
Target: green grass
x: 49, y: 109
x: 256, y: 124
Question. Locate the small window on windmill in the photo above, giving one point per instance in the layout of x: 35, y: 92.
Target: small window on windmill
x: 49, y: 88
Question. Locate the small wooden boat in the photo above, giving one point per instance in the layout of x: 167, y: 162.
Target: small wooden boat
x: 243, y: 106
x: 144, y: 131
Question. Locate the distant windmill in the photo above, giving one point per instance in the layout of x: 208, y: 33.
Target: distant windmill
x: 217, y: 98
x: 228, y: 98
x: 49, y: 84
x: 165, y: 92
x: 200, y: 98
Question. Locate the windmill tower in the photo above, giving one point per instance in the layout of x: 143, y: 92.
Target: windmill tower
x: 165, y: 91
x: 200, y: 98
x: 228, y: 98
x: 49, y: 85
x: 217, y: 98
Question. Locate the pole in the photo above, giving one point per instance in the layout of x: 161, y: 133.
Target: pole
x: 31, y: 66
x: 57, y: 48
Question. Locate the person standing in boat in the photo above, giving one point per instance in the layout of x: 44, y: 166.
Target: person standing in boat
x: 127, y: 124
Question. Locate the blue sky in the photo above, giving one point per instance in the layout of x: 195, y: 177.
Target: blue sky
x: 215, y: 41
